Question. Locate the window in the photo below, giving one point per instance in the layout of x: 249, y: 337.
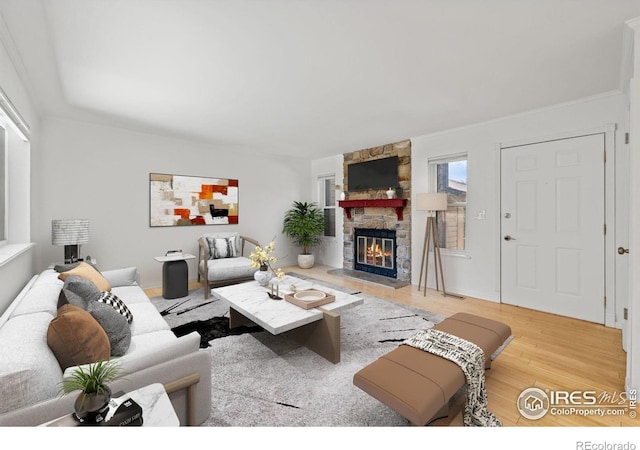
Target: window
x: 14, y: 217
x: 327, y: 202
x: 450, y: 175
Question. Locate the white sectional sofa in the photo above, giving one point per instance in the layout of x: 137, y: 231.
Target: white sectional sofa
x: 30, y: 372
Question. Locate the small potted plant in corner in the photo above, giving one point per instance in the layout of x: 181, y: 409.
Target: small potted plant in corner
x: 92, y: 403
x: 304, y: 223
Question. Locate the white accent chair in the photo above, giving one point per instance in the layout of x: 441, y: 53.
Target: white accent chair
x: 222, y: 266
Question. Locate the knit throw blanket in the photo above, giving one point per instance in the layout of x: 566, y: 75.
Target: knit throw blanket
x: 470, y: 358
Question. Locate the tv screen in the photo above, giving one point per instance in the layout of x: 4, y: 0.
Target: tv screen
x: 375, y: 174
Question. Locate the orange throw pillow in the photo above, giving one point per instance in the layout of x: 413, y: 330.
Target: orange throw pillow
x: 75, y: 338
x: 87, y: 272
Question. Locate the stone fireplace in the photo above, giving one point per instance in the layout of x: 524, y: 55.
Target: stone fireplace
x: 373, y: 219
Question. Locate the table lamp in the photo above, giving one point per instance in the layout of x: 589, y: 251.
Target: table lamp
x: 70, y: 233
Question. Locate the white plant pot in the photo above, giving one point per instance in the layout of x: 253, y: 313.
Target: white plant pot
x: 306, y: 261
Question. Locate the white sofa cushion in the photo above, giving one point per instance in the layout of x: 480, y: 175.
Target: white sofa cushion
x: 42, y: 296
x: 154, y: 348
x: 130, y: 295
x: 228, y: 268
x: 24, y: 348
x: 49, y: 277
x: 121, y: 277
x: 146, y: 319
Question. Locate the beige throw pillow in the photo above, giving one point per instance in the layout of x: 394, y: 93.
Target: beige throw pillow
x: 88, y: 272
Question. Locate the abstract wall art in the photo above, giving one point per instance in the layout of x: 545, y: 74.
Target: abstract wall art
x: 181, y: 200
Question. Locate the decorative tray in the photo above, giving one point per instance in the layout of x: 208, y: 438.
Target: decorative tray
x: 309, y: 298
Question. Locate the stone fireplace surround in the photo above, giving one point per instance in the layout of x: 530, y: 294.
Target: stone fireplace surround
x: 397, y: 218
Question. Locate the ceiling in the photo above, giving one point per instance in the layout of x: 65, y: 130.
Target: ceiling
x: 303, y: 78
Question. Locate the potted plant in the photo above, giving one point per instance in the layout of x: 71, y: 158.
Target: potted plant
x: 92, y: 404
x: 304, y: 223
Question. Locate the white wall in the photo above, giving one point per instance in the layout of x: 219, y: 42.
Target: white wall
x: 101, y: 173
x: 477, y: 275
x: 330, y: 252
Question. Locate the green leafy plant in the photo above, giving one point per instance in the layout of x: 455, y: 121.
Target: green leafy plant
x: 93, y: 379
x: 304, y: 223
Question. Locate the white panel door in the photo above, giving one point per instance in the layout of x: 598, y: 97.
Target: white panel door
x: 552, y: 225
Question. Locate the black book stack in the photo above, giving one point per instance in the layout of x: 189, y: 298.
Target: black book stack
x: 123, y: 411
x: 126, y: 412
x: 129, y: 413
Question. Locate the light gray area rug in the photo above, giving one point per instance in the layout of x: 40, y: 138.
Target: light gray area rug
x: 261, y: 380
x: 264, y: 380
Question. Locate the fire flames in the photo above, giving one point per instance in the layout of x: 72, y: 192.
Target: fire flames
x: 376, y: 255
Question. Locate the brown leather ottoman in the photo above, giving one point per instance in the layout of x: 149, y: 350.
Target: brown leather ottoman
x: 418, y: 385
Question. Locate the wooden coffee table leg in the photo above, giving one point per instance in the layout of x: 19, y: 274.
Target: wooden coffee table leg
x: 237, y: 319
x: 323, y: 336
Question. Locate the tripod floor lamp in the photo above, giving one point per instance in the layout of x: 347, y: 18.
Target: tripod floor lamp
x: 432, y: 203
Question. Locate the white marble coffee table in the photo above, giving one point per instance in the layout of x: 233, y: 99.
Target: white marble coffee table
x: 318, y: 329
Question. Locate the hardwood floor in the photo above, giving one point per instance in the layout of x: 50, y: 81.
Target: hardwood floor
x: 548, y: 351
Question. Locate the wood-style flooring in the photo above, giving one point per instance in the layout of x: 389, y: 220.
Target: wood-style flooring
x: 548, y: 351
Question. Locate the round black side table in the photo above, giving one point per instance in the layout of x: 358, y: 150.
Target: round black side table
x: 175, y: 275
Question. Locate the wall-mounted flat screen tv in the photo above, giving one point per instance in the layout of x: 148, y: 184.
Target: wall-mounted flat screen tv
x: 374, y: 174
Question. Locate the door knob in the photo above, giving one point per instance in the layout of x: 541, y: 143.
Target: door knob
x: 509, y: 238
x: 622, y: 250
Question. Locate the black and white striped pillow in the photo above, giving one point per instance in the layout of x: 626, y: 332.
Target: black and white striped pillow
x: 112, y: 300
x: 222, y: 247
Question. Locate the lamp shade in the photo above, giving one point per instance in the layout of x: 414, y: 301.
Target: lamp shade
x: 69, y: 232
x: 431, y: 202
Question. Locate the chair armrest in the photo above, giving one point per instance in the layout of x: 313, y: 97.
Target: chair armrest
x: 203, y: 255
x: 244, y: 239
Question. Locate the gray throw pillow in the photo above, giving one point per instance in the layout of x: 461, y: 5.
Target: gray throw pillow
x: 78, y: 291
x: 114, y: 324
x: 61, y: 268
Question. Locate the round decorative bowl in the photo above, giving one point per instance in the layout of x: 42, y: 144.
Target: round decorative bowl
x: 309, y: 295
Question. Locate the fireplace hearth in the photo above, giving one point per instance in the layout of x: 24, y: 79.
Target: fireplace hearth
x: 375, y: 251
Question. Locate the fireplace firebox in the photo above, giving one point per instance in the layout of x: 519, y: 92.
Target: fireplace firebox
x: 375, y: 251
